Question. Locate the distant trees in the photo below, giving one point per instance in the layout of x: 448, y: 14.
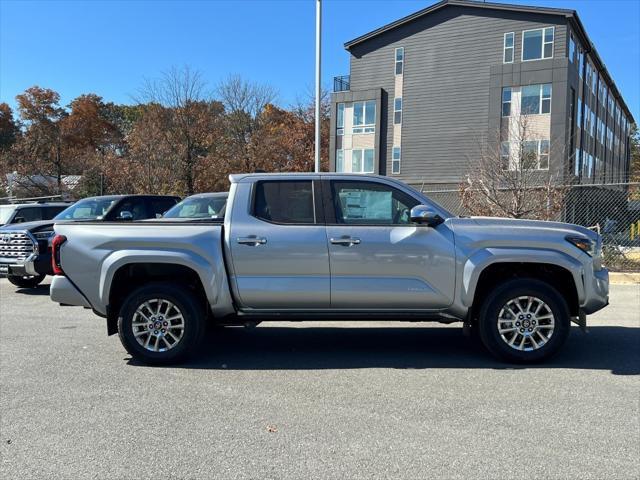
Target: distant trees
x: 179, y: 138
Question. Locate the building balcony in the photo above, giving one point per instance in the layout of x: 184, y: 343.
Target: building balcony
x: 342, y: 83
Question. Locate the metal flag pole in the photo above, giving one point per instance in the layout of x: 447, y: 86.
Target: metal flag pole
x: 318, y: 86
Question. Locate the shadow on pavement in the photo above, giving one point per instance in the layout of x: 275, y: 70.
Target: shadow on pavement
x: 616, y: 349
x: 39, y: 290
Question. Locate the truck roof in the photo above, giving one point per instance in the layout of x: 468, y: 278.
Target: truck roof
x: 238, y: 177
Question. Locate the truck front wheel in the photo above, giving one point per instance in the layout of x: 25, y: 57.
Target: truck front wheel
x: 26, y: 281
x: 524, y: 321
x: 161, y: 323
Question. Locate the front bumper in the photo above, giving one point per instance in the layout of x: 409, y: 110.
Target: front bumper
x: 32, y: 265
x: 65, y: 293
x: 596, y: 291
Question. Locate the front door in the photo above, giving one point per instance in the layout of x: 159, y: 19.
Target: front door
x: 378, y: 259
x: 279, y: 246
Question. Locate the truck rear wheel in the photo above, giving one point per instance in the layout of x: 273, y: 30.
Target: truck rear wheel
x: 26, y: 281
x: 524, y: 321
x: 161, y: 323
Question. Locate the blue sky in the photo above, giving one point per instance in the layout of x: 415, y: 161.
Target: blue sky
x: 109, y: 47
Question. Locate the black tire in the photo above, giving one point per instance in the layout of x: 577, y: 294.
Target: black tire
x: 26, y: 281
x: 188, y: 305
x: 499, y: 297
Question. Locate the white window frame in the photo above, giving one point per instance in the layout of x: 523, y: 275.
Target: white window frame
x: 512, y: 47
x: 396, y: 161
x: 396, y: 110
x: 541, y: 97
x: 543, y: 44
x: 396, y: 61
x: 538, y: 151
x: 340, y: 151
x: 362, y: 150
x: 364, y: 127
x: 340, y: 128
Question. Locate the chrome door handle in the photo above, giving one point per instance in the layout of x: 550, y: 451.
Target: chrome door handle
x: 346, y: 241
x: 252, y: 240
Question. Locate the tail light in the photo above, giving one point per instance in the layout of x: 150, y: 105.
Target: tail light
x: 56, y: 243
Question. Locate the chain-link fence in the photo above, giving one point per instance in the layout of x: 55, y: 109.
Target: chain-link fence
x: 613, y: 210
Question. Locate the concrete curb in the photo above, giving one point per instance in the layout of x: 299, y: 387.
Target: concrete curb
x: 624, y: 278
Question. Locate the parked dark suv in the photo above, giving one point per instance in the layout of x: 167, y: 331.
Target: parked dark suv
x: 25, y: 253
x: 29, y: 212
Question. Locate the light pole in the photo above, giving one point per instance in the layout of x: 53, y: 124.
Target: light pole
x: 318, y: 86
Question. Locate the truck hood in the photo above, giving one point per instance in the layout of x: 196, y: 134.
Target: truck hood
x: 32, y: 227
x: 473, y: 233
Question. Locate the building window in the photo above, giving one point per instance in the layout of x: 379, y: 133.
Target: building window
x: 537, y: 44
x: 506, y: 101
x: 536, y: 99
x: 572, y: 48
x: 364, y: 117
x: 535, y: 155
x: 399, y: 56
x: 339, y: 160
x: 362, y: 161
x: 504, y: 155
x: 576, y: 165
x: 509, y: 41
x: 580, y: 62
x: 395, y: 160
x: 397, y: 111
x: 594, y: 81
x: 340, y: 119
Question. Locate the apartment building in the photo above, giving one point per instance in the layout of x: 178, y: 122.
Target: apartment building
x: 426, y: 92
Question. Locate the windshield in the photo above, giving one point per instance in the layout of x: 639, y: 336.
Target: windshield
x: 87, y: 209
x: 198, y: 207
x: 5, y: 213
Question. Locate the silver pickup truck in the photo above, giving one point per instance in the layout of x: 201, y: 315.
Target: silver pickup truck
x: 331, y: 246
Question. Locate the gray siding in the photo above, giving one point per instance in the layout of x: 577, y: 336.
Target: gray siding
x: 448, y: 60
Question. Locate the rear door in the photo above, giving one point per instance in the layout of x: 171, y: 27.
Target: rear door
x: 378, y: 259
x: 278, y: 245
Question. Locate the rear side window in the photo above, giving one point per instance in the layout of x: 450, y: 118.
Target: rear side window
x: 51, y: 212
x: 160, y: 205
x: 288, y: 202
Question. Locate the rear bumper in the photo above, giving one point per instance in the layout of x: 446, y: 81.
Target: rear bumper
x: 65, y: 293
x: 596, y: 286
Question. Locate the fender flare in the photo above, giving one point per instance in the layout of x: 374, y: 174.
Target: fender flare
x: 480, y: 260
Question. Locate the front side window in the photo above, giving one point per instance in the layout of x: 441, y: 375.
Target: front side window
x: 364, y: 117
x: 362, y: 160
x: 506, y: 101
x: 535, y: 155
x: 509, y: 42
x: 397, y: 111
x: 87, y: 209
x: 136, y: 207
x: 537, y: 44
x: 369, y: 203
x: 399, y: 56
x: 339, y: 160
x: 536, y: 99
x: 30, y: 214
x: 288, y: 202
x: 395, y: 160
x: 340, y: 119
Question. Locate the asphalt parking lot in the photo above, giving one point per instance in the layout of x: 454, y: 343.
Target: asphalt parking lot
x: 314, y: 400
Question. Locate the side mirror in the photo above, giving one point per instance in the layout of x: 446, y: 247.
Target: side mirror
x: 159, y: 215
x: 422, y: 214
x: 18, y: 220
x: 125, y: 215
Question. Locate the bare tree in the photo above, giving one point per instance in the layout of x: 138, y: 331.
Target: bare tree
x: 510, y: 174
x: 180, y: 98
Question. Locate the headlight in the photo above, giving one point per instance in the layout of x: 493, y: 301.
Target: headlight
x: 587, y: 245
x: 44, y: 235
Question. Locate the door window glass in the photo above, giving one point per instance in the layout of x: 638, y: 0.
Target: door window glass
x: 136, y: 207
x: 289, y: 202
x: 369, y: 203
x: 28, y: 215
